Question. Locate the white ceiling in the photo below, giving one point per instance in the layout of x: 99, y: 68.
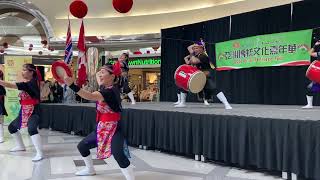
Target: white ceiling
x: 146, y: 16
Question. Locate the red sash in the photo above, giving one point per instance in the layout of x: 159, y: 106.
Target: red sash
x: 107, y: 126
x: 27, y: 107
x: 29, y: 102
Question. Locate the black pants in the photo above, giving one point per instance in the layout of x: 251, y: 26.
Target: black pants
x: 90, y: 142
x: 180, y: 90
x: 209, y: 89
x: 124, y: 85
x: 33, y: 123
x: 309, y: 91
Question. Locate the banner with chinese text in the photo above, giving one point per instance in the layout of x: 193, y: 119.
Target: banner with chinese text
x: 281, y: 49
x: 12, y: 73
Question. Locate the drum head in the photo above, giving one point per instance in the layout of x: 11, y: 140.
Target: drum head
x: 60, y: 70
x: 197, y: 82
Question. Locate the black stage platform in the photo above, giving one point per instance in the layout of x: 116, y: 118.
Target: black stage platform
x: 275, y: 138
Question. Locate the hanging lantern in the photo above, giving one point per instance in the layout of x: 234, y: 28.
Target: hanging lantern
x: 40, y: 52
x: 30, y: 48
x: 1, y: 51
x: 5, y: 45
x: 78, y: 8
x: 44, y: 42
x: 155, y: 48
x: 30, y: 45
x: 50, y: 48
x: 122, y: 6
x: 137, y: 52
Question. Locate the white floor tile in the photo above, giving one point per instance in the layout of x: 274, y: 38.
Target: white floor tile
x: 145, y: 175
x: 62, y: 165
x: 165, y: 161
x: 15, y: 167
x: 55, y: 139
x: 239, y: 173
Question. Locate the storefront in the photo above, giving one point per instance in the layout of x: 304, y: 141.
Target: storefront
x: 144, y: 77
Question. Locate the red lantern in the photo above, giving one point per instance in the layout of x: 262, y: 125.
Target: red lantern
x: 40, y: 52
x: 122, y: 6
x: 50, y: 48
x: 1, y: 50
x: 30, y: 48
x: 78, y: 9
x: 44, y: 42
x: 148, y: 52
x: 137, y: 52
x: 5, y: 45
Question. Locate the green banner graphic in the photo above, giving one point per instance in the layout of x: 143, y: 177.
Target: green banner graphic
x: 281, y: 49
x: 142, y: 61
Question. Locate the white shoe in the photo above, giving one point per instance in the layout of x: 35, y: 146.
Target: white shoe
x: 181, y: 105
x: 36, y: 140
x: 307, y: 107
x: 205, y: 102
x: 228, y: 107
x: 130, y: 95
x: 179, y: 100
x: 86, y: 172
x: 19, y: 143
x: 176, y: 103
x: 17, y: 149
x: 89, y: 169
x: 37, y: 158
x: 128, y: 172
x: 224, y: 100
x: 310, y: 102
x: 1, y: 133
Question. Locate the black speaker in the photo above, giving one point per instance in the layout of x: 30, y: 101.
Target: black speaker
x: 41, y: 69
x: 103, y: 60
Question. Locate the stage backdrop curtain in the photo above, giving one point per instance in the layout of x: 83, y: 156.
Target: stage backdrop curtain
x: 305, y: 15
x: 267, y: 85
x: 174, y: 48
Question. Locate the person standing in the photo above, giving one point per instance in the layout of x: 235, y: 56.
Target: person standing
x: 124, y: 79
x: 199, y: 58
x: 107, y: 137
x: 30, y: 110
x: 3, y: 111
x: 313, y: 88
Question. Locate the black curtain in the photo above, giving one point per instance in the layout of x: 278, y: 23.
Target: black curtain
x: 174, y: 48
x: 217, y: 31
x: 41, y: 70
x: 306, y: 16
x: 269, y: 85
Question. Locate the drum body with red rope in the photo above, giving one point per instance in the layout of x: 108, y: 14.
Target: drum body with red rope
x: 190, y: 78
x: 313, y: 72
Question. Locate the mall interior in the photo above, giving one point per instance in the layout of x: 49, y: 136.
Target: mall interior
x: 263, y: 134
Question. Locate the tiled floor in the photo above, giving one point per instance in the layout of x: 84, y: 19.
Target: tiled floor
x: 63, y: 160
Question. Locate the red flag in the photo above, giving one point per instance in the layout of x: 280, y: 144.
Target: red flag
x: 82, y: 61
